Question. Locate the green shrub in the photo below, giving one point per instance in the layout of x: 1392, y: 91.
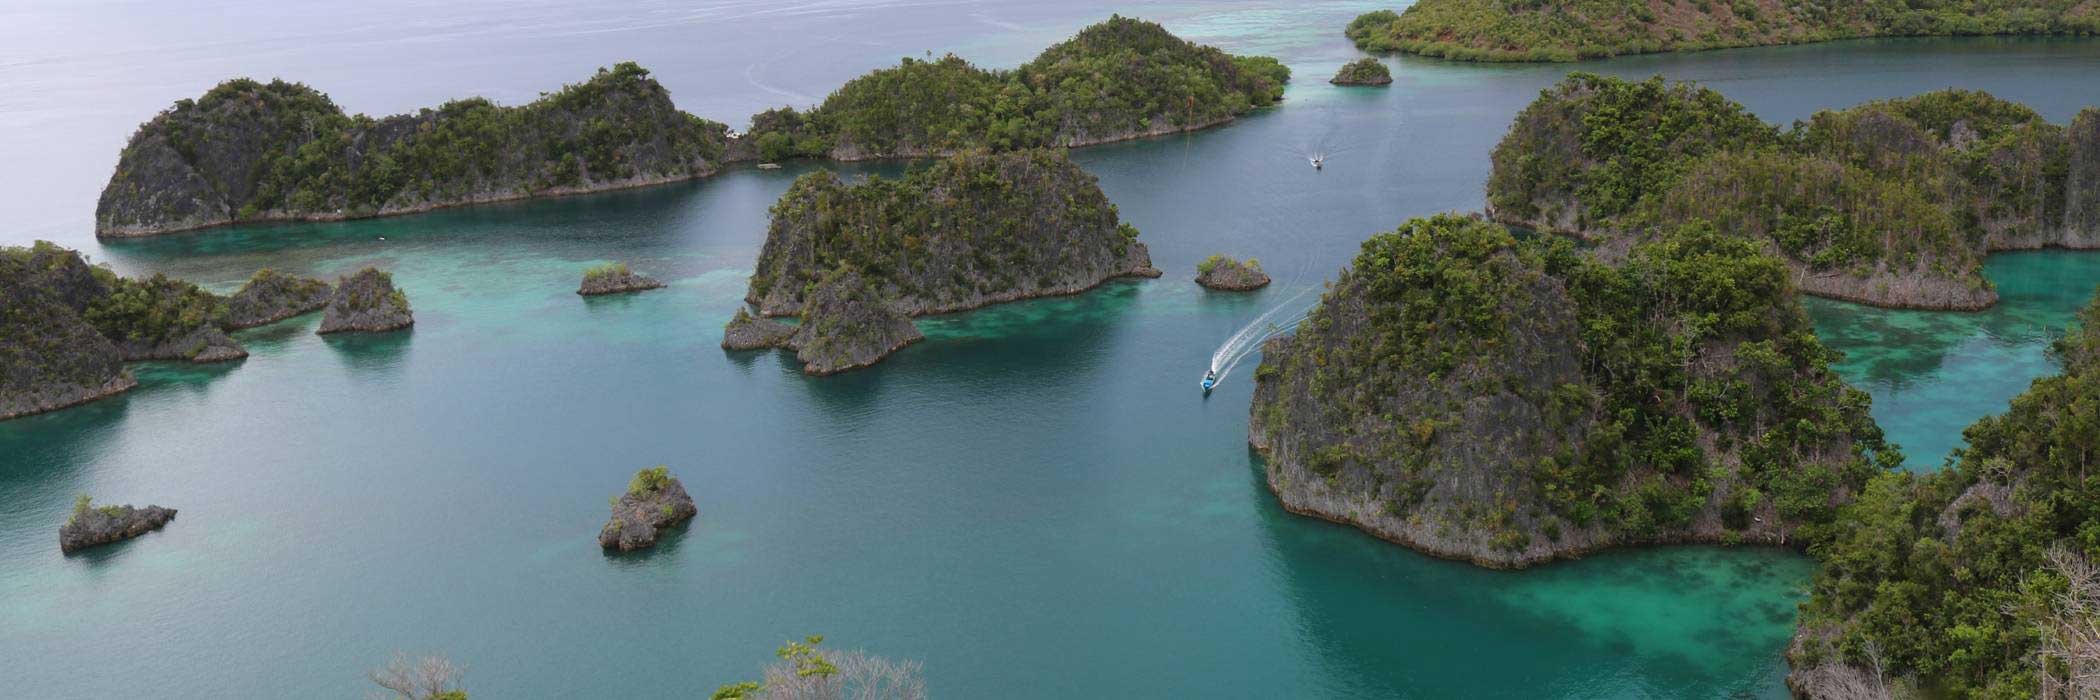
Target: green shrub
x: 648, y: 481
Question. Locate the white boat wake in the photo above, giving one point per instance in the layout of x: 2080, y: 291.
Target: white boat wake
x: 1280, y: 320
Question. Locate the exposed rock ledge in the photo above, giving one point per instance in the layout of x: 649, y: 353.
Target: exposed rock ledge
x: 748, y: 331
x: 91, y: 526
x: 367, y: 302
x: 271, y: 296
x: 654, y: 501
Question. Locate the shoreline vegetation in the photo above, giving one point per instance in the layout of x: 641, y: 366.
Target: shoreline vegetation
x: 252, y: 152
x: 1893, y: 203
x: 1576, y: 30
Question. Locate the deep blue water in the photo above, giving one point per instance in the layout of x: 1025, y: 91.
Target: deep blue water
x: 1035, y: 503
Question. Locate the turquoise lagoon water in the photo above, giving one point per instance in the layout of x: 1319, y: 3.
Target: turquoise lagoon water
x: 1036, y: 502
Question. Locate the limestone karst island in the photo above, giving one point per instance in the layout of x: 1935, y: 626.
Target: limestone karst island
x: 887, y: 350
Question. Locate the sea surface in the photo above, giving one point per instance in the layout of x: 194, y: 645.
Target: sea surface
x: 1036, y: 503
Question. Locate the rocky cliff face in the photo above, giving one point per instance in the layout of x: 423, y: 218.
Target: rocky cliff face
x: 1229, y: 274
x: 250, y: 151
x: 91, y: 526
x: 1507, y: 403
x: 50, y: 357
x: 1891, y: 203
x: 367, y: 302
x: 654, y: 502
x: 272, y: 296
x: 847, y: 324
x: 966, y: 232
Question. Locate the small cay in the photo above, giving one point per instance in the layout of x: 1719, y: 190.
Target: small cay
x: 1229, y: 274
x: 749, y: 331
x: 367, y: 302
x: 654, y: 502
x: 614, y: 278
x: 91, y: 525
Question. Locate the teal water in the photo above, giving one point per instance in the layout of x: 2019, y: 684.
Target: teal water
x: 1035, y: 503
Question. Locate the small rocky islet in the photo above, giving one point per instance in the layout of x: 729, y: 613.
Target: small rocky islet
x: 91, y: 525
x: 367, y: 302
x: 1369, y: 72
x: 1230, y: 274
x: 1892, y: 203
x: 654, y: 501
x: 271, y: 296
x: 614, y: 278
x: 933, y: 235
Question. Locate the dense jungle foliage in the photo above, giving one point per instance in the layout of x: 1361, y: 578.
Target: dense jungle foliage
x: 1940, y: 579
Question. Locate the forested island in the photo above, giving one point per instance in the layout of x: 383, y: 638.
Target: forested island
x: 1572, y: 30
x: 1977, y: 580
x: 1507, y: 402
x: 67, y: 327
x: 854, y: 261
x: 1117, y: 80
x: 248, y: 151
x: 1892, y: 203
x: 280, y: 151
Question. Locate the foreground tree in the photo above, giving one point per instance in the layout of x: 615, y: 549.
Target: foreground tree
x: 806, y: 673
x: 429, y: 678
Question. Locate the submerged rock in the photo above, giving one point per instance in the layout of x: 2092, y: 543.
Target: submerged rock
x: 847, y: 325
x: 90, y: 526
x: 367, y: 302
x: 751, y: 332
x: 655, y: 500
x: 1229, y: 274
x: 613, y: 279
x: 1363, y: 71
x: 272, y: 296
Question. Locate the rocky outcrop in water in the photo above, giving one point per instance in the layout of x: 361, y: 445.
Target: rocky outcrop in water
x: 748, y: 331
x: 614, y: 279
x: 50, y: 357
x: 1508, y: 402
x: 271, y: 296
x: 847, y: 324
x: 1893, y: 203
x: 91, y: 526
x: 654, y: 502
x: 367, y: 302
x: 965, y: 232
x: 1229, y: 274
x: 251, y: 151
x: 1363, y: 71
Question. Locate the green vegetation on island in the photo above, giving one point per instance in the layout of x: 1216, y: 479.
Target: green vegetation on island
x: 1571, y: 30
x: 1504, y: 401
x: 955, y: 234
x: 1893, y: 203
x: 1119, y: 79
x: 1363, y: 71
x: 807, y: 672
x: 251, y: 151
x: 1975, y: 581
